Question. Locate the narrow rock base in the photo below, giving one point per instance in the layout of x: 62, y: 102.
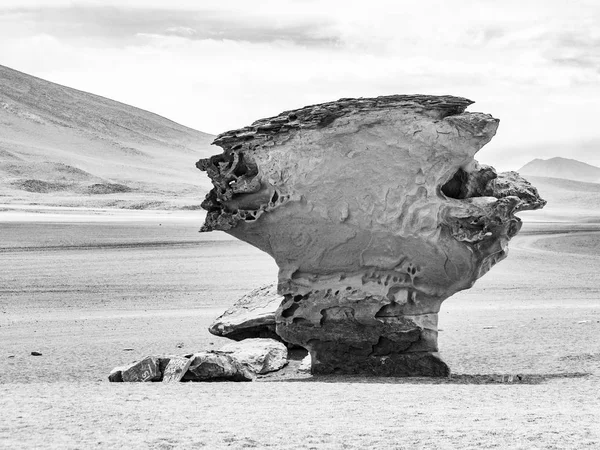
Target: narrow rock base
x: 420, y: 364
x: 349, y: 331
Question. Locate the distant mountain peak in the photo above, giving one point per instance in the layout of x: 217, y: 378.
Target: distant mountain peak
x: 565, y: 168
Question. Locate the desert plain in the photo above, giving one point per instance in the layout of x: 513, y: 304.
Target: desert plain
x: 91, y: 289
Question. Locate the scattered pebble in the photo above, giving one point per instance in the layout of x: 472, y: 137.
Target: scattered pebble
x: 179, y: 345
x: 36, y: 354
x: 11, y: 356
x: 489, y: 328
x: 127, y: 349
x: 584, y: 321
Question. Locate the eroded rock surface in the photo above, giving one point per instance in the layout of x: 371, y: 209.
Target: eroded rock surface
x: 375, y: 212
x: 260, y: 355
x: 202, y: 366
x: 148, y: 369
x: 175, y: 369
x: 252, y: 316
x: 216, y: 365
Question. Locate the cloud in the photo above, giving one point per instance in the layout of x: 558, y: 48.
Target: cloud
x: 115, y: 23
x: 221, y: 65
x: 181, y: 31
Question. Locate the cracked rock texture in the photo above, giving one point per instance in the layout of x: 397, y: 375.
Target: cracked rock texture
x: 259, y: 354
x: 375, y: 212
x: 202, y: 366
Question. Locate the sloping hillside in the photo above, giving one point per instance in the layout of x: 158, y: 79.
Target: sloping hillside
x: 564, y: 168
x: 63, y: 146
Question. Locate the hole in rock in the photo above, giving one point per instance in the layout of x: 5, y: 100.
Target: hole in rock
x: 456, y: 187
x: 390, y: 310
x: 289, y: 312
x: 275, y: 197
x: 297, y: 298
x: 384, y: 347
x: 327, y: 120
x: 301, y: 321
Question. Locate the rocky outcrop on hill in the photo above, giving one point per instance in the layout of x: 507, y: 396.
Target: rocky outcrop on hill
x: 375, y: 211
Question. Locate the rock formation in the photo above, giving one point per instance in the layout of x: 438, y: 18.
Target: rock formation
x: 217, y: 365
x: 252, y: 316
x: 375, y: 212
x: 260, y: 355
x: 238, y: 361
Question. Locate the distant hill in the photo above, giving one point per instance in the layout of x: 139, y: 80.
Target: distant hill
x: 564, y: 168
x: 63, y: 146
x: 568, y: 200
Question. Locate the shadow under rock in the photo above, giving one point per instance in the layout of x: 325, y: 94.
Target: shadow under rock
x: 452, y: 379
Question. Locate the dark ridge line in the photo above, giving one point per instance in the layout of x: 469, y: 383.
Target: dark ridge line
x: 323, y: 114
x: 108, y: 246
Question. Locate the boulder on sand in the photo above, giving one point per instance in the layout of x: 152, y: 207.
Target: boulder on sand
x: 217, y: 366
x: 202, y: 366
x: 252, y: 316
x: 175, y: 369
x: 260, y: 355
x: 148, y: 369
x: 151, y: 368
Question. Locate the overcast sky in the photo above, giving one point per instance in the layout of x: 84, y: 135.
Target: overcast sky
x: 218, y: 65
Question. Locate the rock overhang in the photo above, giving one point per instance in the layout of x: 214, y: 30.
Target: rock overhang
x: 374, y: 210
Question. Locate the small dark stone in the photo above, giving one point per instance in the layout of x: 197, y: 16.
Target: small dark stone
x: 116, y: 376
x: 36, y: 354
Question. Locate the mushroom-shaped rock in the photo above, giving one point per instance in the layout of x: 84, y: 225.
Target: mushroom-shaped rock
x: 375, y: 211
x: 260, y: 355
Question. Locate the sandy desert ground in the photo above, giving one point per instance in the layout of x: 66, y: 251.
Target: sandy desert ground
x: 82, y: 286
